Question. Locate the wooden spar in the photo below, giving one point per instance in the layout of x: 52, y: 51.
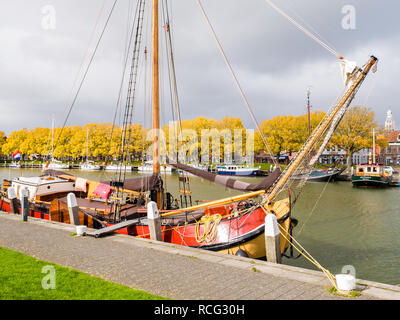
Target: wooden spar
x: 293, y: 166
x: 217, y: 202
x: 318, y: 132
x: 72, y: 178
x: 156, y: 95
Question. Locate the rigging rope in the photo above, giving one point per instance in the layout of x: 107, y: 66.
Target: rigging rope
x: 86, y: 52
x: 86, y: 71
x: 253, y: 117
x: 300, y: 27
x: 130, y: 105
x: 183, y: 177
x: 127, y: 50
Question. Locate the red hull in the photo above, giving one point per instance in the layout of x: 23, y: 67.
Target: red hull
x: 229, y: 230
x: 5, y: 206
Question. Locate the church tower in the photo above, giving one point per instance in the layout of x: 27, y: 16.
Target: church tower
x: 389, y: 123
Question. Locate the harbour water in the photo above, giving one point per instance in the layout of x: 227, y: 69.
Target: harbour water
x: 342, y: 227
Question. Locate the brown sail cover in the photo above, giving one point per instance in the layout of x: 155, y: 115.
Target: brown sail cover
x: 149, y: 183
x: 227, y: 181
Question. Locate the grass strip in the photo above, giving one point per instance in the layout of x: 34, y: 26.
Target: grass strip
x: 21, y: 278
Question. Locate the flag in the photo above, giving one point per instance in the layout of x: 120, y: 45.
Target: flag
x: 17, y: 155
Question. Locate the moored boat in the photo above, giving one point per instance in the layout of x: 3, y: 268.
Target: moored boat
x: 148, y: 167
x: 89, y: 166
x: 321, y: 175
x: 56, y: 165
x: 116, y: 167
x: 14, y: 165
x: 371, y: 175
x: 235, y: 170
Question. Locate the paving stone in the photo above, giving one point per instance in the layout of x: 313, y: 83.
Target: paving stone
x: 158, y: 268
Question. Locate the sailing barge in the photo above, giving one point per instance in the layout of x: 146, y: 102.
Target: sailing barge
x: 225, y: 225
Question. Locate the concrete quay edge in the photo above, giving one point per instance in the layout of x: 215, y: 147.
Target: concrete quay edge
x: 371, y: 288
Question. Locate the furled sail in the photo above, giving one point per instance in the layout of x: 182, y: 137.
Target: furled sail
x: 349, y: 72
x: 150, y: 183
x: 141, y: 184
x: 228, y: 182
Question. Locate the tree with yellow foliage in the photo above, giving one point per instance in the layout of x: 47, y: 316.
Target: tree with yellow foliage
x: 355, y: 131
x: 286, y: 133
x: 17, y: 140
x: 2, y: 141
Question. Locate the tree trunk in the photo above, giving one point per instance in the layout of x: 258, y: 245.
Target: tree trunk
x: 349, y: 162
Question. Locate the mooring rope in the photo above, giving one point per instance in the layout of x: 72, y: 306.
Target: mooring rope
x: 305, y: 253
x: 309, y: 257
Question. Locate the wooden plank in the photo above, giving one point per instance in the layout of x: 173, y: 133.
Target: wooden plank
x: 110, y: 229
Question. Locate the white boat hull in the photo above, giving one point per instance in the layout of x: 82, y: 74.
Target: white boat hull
x: 117, y: 168
x: 56, y: 166
x: 237, y: 171
x: 89, y: 167
x: 39, y: 186
x: 149, y: 169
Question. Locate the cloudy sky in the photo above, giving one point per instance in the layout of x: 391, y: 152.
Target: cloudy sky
x: 44, y: 44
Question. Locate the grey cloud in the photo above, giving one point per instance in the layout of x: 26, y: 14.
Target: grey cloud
x: 274, y: 61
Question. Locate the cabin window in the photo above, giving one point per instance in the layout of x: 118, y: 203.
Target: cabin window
x: 48, y: 187
x: 361, y: 170
x: 374, y: 169
x: 368, y: 169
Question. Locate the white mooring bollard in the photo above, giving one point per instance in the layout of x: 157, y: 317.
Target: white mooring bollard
x: 272, y: 239
x: 80, y: 230
x: 345, y: 282
x: 12, y: 196
x: 73, y: 209
x: 154, y: 221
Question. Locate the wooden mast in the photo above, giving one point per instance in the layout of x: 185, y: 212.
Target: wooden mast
x: 156, y: 96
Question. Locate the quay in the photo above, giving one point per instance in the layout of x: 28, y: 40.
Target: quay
x: 172, y: 271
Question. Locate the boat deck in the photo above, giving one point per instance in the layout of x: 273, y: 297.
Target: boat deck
x: 169, y: 270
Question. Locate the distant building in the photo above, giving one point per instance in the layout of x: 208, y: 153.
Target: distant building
x: 389, y: 123
x: 391, y: 154
x: 362, y: 156
x: 332, y: 155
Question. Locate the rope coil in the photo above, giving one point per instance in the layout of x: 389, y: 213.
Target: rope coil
x: 210, y: 228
